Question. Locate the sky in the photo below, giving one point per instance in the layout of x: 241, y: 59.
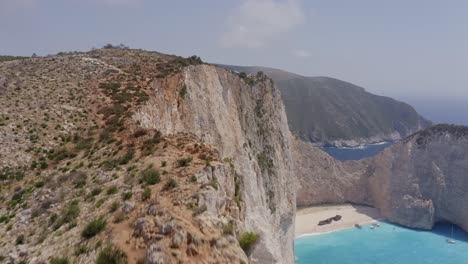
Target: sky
x: 399, y: 48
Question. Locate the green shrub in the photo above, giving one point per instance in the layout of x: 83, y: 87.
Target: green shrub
x: 184, y: 162
x: 112, y: 190
x: 127, y: 195
x: 82, y: 249
x: 94, y: 227
x: 183, y: 92
x: 150, y: 176
x: 111, y: 255
x: 119, y: 218
x: 96, y: 191
x: 71, y: 212
x: 68, y: 215
x: 39, y: 184
x: 59, y: 260
x: 247, y: 240
x: 170, y: 184
x: 114, y: 206
x: 60, y: 154
x: 125, y: 159
x: 146, y: 194
x: 43, y: 165
x: 4, y: 219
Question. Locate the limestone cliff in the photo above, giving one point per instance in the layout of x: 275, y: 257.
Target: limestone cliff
x: 424, y: 179
x: 247, y: 124
x: 415, y: 183
x: 322, y: 179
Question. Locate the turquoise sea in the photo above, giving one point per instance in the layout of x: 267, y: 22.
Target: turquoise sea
x: 387, y: 244
x: 356, y: 153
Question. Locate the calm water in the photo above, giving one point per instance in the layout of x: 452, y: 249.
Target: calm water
x: 387, y: 244
x: 361, y: 152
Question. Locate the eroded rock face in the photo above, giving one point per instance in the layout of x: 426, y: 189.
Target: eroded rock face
x: 424, y: 179
x: 322, y: 179
x: 247, y: 124
x: 415, y: 183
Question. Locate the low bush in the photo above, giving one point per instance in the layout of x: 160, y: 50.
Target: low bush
x: 127, y: 195
x: 112, y: 190
x: 150, y: 176
x: 146, y: 194
x: 94, y: 227
x: 170, y: 184
x: 247, y: 240
x: 111, y: 255
x: 59, y: 260
x: 184, y: 162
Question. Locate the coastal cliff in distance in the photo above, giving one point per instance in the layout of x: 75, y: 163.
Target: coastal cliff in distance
x: 423, y: 180
x: 416, y: 182
x: 328, y: 111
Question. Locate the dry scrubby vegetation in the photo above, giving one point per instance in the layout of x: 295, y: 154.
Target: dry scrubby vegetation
x: 77, y: 174
x: 425, y: 136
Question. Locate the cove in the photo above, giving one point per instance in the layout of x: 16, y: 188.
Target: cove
x: 387, y: 244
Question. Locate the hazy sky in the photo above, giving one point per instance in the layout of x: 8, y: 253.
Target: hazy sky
x: 398, y: 48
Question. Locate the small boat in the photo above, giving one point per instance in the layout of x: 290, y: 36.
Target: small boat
x: 372, y: 227
x: 451, y: 241
x: 358, y: 226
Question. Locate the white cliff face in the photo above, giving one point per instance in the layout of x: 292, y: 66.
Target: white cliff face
x: 248, y: 125
x: 322, y: 179
x: 415, y: 183
x: 424, y: 179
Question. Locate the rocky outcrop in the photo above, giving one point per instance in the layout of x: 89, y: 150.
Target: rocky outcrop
x: 424, y: 179
x: 415, y: 183
x: 322, y: 179
x: 246, y: 122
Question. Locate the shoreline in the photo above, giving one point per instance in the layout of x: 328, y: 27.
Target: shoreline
x: 307, y: 218
x: 339, y: 229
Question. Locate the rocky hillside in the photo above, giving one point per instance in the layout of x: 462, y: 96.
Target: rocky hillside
x: 324, y: 110
x: 415, y: 183
x: 128, y: 156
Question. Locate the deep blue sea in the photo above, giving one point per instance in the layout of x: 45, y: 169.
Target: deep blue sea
x: 357, y: 153
x: 387, y: 244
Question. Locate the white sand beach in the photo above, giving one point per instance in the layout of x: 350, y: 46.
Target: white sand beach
x: 308, y: 218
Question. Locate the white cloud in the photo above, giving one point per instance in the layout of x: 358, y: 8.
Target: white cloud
x: 257, y: 22
x: 301, y: 54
